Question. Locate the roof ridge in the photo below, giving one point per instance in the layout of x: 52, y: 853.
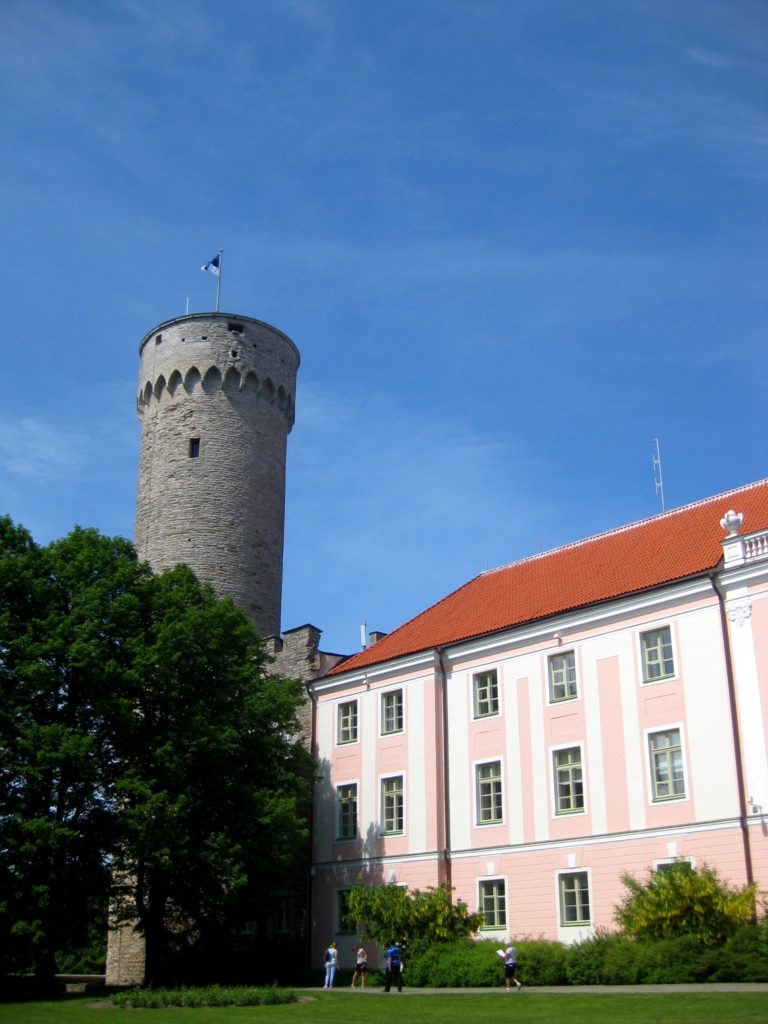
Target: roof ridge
x: 623, y: 529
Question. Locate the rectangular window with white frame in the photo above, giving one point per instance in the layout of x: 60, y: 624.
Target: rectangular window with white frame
x: 488, y: 793
x: 392, y: 806
x: 569, y: 780
x: 657, y: 655
x: 562, y: 676
x: 485, y: 691
x: 347, y: 722
x: 391, y: 712
x: 492, y: 903
x: 670, y: 863
x: 347, y: 811
x: 573, y: 888
x: 665, y: 752
x: 343, y: 922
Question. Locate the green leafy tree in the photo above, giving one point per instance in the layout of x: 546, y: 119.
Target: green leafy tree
x: 213, y: 785
x: 140, y: 731
x: 682, y: 900
x: 417, y: 919
x: 65, y: 613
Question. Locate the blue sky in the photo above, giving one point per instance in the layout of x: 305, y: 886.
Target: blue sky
x: 514, y: 242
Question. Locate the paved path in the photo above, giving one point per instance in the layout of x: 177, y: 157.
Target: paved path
x: 555, y: 990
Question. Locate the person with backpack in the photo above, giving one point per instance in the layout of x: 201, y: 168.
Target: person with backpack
x: 331, y: 960
x: 394, y: 968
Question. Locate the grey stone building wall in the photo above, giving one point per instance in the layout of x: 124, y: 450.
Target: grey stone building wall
x: 216, y: 401
x: 297, y: 655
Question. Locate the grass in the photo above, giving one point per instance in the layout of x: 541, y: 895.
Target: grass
x: 497, y: 1008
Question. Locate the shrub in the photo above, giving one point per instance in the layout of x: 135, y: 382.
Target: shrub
x: 619, y: 960
x: 682, y: 900
x: 417, y: 918
x: 211, y: 995
x: 460, y: 964
x: 475, y: 964
x: 542, y: 962
x: 606, y: 959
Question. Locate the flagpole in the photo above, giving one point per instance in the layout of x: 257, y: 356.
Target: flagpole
x: 218, y: 279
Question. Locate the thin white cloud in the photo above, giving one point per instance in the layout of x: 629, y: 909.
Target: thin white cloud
x: 710, y: 59
x: 41, y: 450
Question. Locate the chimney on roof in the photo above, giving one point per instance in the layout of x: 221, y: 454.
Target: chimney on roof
x: 375, y: 635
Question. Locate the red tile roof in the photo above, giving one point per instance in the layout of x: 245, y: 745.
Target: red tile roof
x: 672, y: 546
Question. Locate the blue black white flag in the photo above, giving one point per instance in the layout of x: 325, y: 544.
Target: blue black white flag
x: 214, y: 266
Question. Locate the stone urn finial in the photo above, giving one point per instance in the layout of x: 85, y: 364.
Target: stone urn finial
x: 731, y: 522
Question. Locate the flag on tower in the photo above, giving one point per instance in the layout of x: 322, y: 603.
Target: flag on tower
x: 214, y: 265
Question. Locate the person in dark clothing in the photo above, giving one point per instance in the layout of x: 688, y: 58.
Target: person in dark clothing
x: 394, y: 968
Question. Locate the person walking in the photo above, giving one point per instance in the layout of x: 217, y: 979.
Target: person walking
x: 331, y: 960
x: 510, y: 968
x: 361, y: 965
x: 394, y: 968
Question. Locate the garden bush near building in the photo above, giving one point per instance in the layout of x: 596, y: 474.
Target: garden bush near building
x: 678, y: 925
x: 608, y: 959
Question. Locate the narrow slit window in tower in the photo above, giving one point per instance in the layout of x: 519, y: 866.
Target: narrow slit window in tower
x: 194, y: 447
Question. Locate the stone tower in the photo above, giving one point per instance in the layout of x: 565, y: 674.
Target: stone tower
x: 216, y: 400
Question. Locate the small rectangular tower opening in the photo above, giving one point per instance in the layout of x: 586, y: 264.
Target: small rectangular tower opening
x: 194, y: 447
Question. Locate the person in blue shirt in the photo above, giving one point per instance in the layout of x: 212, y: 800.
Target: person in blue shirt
x: 394, y: 968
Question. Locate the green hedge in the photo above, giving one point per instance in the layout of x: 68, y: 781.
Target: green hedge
x: 608, y: 959
x: 210, y: 995
x: 468, y: 964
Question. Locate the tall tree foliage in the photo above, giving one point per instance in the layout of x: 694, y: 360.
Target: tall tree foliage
x: 138, y: 730
x: 65, y: 611
x: 212, y: 786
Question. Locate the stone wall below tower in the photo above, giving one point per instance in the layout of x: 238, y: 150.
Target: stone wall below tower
x: 297, y: 655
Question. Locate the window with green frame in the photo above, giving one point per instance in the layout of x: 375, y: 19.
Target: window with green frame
x: 392, y: 712
x: 658, y: 660
x: 392, y: 810
x: 574, y: 898
x: 343, y: 922
x: 485, y: 687
x: 666, y: 756
x: 562, y: 676
x: 489, y: 798
x: 347, y: 811
x: 347, y: 722
x: 569, y: 782
x: 492, y: 901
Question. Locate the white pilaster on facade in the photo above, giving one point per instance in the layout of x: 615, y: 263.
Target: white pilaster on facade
x: 746, y: 563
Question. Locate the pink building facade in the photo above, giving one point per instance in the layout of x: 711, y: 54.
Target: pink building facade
x: 597, y: 709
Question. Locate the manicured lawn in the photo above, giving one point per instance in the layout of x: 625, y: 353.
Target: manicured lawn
x: 353, y: 1008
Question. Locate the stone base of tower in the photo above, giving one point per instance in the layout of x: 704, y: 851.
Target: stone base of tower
x: 126, y: 956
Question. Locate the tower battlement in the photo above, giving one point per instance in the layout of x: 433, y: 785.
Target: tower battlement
x: 228, y: 379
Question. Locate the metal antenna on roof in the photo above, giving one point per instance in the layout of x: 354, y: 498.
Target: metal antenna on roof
x: 659, y: 481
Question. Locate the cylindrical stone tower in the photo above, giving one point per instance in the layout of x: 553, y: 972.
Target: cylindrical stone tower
x: 216, y: 399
